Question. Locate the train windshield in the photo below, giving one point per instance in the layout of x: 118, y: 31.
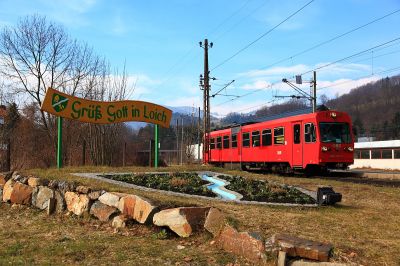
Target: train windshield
x: 335, y: 132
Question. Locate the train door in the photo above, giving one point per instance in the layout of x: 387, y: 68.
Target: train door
x: 235, y: 144
x: 297, y: 145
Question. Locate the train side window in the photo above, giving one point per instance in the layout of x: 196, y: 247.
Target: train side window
x: 309, y: 133
x: 255, y: 138
x: 266, y: 137
x: 219, y: 142
x: 246, y: 139
x: 296, y: 134
x: 225, y: 143
x: 396, y: 154
x: 279, y: 135
x: 212, y: 144
x: 234, y: 141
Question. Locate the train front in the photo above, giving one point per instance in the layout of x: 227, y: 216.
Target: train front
x: 335, y: 139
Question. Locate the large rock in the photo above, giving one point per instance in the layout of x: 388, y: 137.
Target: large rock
x: 21, y: 194
x: 16, y: 176
x: 111, y: 199
x: 138, y: 208
x: 248, y: 245
x: 65, y: 186
x: 119, y: 221
x: 78, y: 204
x: 59, y: 205
x: 215, y: 221
x: 41, y: 197
x: 53, y: 184
x: 8, y: 189
x: 183, y: 221
x: 83, y: 189
x: 299, y: 247
x: 36, y: 181
x: 95, y: 195
x: 127, y: 204
x: 4, y: 177
x: 102, y: 212
x: 144, y: 210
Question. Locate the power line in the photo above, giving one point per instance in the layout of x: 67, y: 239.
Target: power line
x: 331, y: 39
x: 351, y: 56
x: 229, y: 17
x: 249, y: 93
x: 277, y: 82
x: 262, y: 36
x: 183, y: 60
x: 352, y: 80
x: 241, y: 20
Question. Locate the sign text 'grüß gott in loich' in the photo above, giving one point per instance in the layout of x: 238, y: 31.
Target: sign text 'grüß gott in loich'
x: 64, y: 105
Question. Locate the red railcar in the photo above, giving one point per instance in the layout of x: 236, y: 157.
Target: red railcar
x: 315, y: 141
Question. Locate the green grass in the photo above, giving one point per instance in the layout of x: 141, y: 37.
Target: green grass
x: 363, y: 228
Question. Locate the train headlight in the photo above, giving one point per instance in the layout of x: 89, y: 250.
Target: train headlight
x: 324, y: 148
x: 350, y: 149
x: 333, y: 115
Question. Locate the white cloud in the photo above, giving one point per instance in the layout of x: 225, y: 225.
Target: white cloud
x: 275, y: 71
x: 238, y: 107
x: 343, y: 86
x: 256, y: 85
x: 195, y: 101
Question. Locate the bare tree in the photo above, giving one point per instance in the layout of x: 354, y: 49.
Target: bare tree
x: 37, y: 54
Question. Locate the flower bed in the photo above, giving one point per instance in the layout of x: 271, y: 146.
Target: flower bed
x: 257, y: 190
x: 191, y: 183
x: 188, y: 183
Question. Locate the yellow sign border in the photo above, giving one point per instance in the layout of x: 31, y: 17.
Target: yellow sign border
x: 89, y: 111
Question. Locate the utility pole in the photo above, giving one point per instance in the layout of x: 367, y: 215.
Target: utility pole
x: 181, y: 140
x: 314, y: 94
x: 177, y: 141
x: 198, y: 137
x: 206, y: 99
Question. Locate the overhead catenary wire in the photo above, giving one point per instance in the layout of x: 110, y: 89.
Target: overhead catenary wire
x: 330, y: 64
x: 351, y: 56
x: 329, y: 86
x: 241, y: 20
x: 182, y: 61
x: 366, y: 76
x: 262, y: 36
x: 331, y: 39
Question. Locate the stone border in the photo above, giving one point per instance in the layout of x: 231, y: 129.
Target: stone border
x: 172, y: 193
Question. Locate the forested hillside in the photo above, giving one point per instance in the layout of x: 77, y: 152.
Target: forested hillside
x: 374, y: 108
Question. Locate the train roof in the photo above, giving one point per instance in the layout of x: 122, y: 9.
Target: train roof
x: 304, y: 113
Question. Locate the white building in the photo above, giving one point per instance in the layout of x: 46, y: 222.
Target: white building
x: 377, y: 154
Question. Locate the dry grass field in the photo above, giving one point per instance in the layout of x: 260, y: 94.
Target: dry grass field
x: 364, y: 227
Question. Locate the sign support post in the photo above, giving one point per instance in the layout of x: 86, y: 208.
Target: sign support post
x: 59, y: 142
x: 155, y: 146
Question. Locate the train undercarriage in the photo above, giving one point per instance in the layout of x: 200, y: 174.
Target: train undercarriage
x: 285, y: 168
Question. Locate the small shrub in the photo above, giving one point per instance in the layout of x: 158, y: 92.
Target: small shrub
x: 162, y: 234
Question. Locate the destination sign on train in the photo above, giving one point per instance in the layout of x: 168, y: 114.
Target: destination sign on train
x: 84, y: 110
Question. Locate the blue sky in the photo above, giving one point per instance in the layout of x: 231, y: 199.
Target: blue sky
x: 158, y: 40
